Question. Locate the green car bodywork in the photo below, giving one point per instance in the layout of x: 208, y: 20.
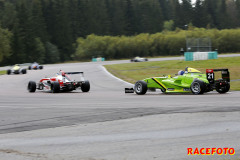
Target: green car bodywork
x: 192, y: 80
x: 180, y: 83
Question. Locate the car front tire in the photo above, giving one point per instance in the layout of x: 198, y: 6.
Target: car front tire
x: 140, y: 87
x: 31, y: 86
x: 24, y: 71
x: 8, y: 71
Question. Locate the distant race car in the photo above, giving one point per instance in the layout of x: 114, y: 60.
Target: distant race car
x: 17, y: 70
x: 35, y: 66
x: 139, y: 59
x: 190, y: 80
x: 63, y: 81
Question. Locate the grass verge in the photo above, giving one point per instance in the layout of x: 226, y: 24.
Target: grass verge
x: 2, y: 72
x: 131, y: 72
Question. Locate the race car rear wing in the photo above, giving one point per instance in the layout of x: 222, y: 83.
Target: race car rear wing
x: 211, y: 77
x: 76, y: 73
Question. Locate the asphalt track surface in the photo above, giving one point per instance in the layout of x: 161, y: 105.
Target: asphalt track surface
x: 107, y: 124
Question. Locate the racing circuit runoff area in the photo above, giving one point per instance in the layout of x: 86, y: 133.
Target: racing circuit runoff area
x: 107, y: 124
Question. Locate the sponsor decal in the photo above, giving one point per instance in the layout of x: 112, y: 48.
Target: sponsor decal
x: 170, y: 89
x: 186, y: 89
x: 209, y: 70
x: 210, y: 151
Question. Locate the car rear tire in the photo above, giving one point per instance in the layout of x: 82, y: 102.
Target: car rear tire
x: 8, y: 71
x: 140, y: 87
x: 197, y: 87
x: 85, y: 86
x: 40, y: 67
x: 55, y: 87
x: 31, y: 86
x: 223, y: 89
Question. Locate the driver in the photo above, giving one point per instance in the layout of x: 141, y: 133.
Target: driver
x: 181, y: 72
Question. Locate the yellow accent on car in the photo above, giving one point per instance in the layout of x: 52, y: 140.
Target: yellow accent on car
x: 160, y: 83
x: 193, y: 70
x: 16, y: 67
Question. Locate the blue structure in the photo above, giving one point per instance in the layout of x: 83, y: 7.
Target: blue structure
x: 99, y: 59
x: 193, y: 56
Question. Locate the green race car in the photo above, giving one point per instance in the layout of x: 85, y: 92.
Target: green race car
x: 190, y: 80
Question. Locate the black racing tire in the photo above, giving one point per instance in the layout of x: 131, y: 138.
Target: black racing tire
x: 29, y: 67
x: 31, y: 86
x: 140, y: 87
x: 55, y: 87
x: 40, y: 67
x: 85, y: 87
x: 24, y: 71
x: 8, y: 71
x: 198, y: 87
x: 223, y: 89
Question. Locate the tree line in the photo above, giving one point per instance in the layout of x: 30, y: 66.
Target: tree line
x: 158, y: 44
x: 48, y: 31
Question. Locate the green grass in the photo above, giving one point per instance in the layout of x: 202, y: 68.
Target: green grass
x: 2, y: 72
x: 132, y: 72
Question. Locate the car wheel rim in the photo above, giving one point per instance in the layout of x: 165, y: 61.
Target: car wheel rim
x: 196, y: 87
x: 139, y: 87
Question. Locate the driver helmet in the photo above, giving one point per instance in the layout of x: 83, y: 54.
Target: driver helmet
x: 181, y: 72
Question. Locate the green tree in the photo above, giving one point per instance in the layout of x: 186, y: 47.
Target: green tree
x: 166, y: 11
x: 232, y: 13
x: 118, y: 18
x: 130, y: 19
x: 62, y: 31
x: 200, y: 15
x: 37, y: 20
x: 177, y: 15
x: 5, y: 44
x: 222, y: 16
x: 8, y: 15
x: 238, y: 11
x: 149, y: 16
x: 211, y: 9
x: 186, y: 12
x: 97, y: 19
x: 22, y: 33
x: 168, y: 25
x: 38, y: 54
x: 52, y: 53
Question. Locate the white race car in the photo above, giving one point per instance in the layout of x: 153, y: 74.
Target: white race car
x: 63, y: 81
x: 139, y: 59
x: 35, y: 66
x: 17, y: 70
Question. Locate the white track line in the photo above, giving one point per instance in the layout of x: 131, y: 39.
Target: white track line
x: 111, y: 75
